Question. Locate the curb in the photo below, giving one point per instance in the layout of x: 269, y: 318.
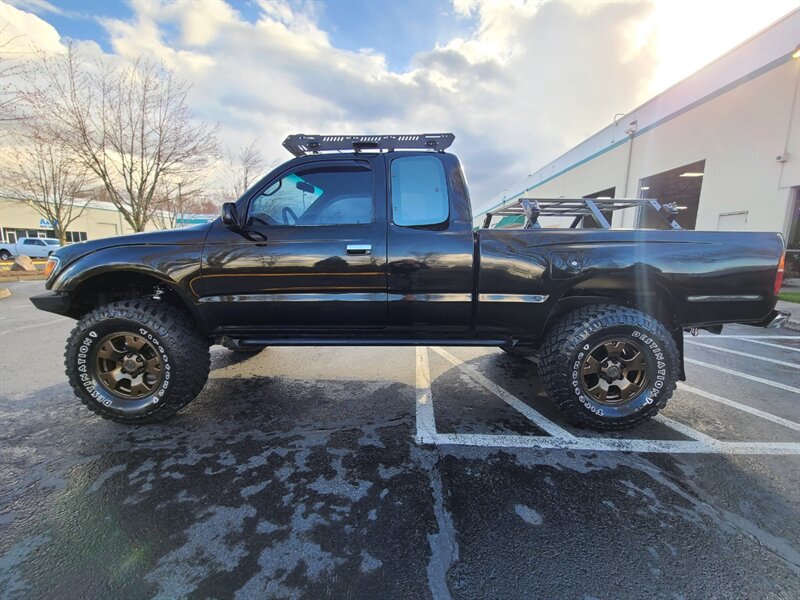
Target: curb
x: 21, y: 277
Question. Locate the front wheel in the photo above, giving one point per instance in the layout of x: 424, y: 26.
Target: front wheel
x: 609, y: 367
x: 136, y: 361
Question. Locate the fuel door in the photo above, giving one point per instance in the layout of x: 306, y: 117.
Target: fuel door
x: 564, y: 266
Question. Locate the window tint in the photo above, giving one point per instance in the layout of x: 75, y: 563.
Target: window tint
x: 419, y: 191
x: 333, y: 195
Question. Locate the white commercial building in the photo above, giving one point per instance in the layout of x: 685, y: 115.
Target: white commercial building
x: 723, y: 144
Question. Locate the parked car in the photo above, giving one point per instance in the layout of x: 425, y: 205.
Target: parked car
x: 30, y: 246
x: 345, y: 247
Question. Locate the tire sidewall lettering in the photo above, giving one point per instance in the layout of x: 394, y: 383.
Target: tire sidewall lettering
x: 83, y: 360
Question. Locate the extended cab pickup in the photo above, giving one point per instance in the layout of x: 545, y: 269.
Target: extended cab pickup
x: 376, y: 246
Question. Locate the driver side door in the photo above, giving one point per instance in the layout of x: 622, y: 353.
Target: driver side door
x: 310, y: 253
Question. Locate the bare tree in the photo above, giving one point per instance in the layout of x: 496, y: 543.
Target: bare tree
x: 241, y: 171
x: 46, y: 175
x: 12, y: 66
x: 174, y: 201
x: 131, y: 126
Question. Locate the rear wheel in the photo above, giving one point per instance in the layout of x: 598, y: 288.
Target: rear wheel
x: 136, y: 361
x: 609, y: 367
x: 5, y: 255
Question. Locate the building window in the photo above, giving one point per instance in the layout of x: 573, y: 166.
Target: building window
x: 680, y: 186
x: 76, y: 236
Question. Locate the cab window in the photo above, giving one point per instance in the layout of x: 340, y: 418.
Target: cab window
x: 419, y: 191
x: 314, y: 196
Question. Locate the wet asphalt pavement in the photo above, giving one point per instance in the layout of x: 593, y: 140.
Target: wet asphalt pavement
x: 296, y: 473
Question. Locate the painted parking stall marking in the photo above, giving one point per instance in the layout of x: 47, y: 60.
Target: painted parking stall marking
x: 745, y: 354
x: 559, y: 438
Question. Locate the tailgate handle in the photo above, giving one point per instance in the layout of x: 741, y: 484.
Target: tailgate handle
x: 359, y: 248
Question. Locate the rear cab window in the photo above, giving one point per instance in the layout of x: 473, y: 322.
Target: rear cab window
x: 419, y: 192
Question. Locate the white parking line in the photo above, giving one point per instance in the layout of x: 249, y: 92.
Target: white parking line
x: 739, y: 353
x: 773, y: 345
x: 699, y: 444
x: 752, y: 337
x: 619, y: 445
x: 774, y: 384
x: 685, y: 430
x: 426, y: 423
x: 740, y: 406
x: 538, y: 419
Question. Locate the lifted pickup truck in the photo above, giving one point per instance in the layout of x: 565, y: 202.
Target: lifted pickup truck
x: 368, y: 240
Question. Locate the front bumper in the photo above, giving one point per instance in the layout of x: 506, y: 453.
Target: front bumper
x: 52, y: 302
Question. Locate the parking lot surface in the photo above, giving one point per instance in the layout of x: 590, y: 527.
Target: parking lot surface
x: 398, y: 472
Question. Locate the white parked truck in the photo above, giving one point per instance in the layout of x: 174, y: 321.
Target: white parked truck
x: 29, y: 246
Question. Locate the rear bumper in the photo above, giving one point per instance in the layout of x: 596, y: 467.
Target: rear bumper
x: 775, y: 320
x: 52, y: 302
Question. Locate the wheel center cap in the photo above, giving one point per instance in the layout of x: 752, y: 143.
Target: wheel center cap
x: 614, y: 371
x: 130, y: 365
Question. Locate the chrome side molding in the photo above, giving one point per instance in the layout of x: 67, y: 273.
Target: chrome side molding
x: 531, y: 298
x: 726, y: 298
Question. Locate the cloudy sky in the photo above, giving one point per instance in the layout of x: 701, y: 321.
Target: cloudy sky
x: 517, y: 82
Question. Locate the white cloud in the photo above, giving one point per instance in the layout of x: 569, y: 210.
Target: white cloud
x: 22, y: 32
x: 530, y: 80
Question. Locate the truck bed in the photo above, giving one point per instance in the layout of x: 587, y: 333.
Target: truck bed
x: 705, y: 277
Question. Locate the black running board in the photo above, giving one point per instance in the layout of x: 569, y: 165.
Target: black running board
x: 327, y: 341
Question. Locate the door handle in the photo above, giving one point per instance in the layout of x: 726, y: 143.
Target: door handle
x: 359, y: 248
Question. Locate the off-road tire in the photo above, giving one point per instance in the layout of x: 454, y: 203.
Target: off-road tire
x: 5, y: 255
x: 564, y: 351
x: 523, y: 351
x: 182, y: 350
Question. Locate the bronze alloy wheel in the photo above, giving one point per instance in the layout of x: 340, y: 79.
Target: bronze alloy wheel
x: 128, y: 365
x: 615, y: 371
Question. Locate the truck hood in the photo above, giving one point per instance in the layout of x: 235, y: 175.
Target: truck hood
x: 193, y: 235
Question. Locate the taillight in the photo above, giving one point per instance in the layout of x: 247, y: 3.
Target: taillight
x: 50, y: 266
x: 779, y: 274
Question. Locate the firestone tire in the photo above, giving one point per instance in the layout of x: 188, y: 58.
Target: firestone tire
x: 5, y: 255
x: 570, y: 364
x: 166, y: 332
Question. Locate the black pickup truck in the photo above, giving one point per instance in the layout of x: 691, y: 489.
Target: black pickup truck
x: 369, y: 240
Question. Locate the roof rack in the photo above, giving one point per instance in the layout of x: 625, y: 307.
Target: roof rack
x: 579, y: 208
x: 301, y: 144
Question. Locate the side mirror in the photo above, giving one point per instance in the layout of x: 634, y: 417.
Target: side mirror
x: 230, y: 215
